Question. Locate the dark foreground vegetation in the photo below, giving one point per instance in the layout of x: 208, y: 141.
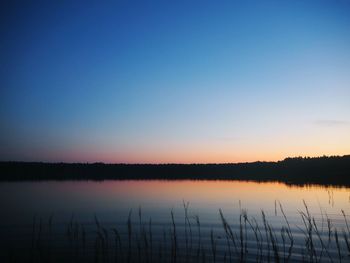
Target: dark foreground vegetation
x: 320, y: 170
x: 324, y: 170
x: 186, y: 239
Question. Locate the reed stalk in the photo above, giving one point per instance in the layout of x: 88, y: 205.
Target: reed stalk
x: 213, y: 245
x: 174, y: 245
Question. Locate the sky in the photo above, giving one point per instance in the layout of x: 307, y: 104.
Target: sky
x: 173, y: 81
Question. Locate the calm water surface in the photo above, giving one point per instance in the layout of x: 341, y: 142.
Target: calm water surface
x: 111, y: 202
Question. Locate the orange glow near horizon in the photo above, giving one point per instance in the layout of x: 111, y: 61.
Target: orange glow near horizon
x: 201, y: 151
x: 187, y: 157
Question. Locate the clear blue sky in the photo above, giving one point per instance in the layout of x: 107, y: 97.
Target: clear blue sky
x: 173, y: 81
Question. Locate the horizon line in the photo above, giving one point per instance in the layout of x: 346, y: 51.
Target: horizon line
x: 225, y: 163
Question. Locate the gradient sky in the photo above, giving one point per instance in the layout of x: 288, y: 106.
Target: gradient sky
x: 174, y: 81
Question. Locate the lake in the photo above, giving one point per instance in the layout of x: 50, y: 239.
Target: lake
x: 172, y: 221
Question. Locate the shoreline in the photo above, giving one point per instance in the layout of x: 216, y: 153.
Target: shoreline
x: 333, y: 170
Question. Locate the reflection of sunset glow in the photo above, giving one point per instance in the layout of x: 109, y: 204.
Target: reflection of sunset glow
x: 218, y: 193
x: 157, y: 197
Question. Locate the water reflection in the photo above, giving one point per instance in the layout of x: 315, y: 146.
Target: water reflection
x: 21, y: 200
x: 87, y: 213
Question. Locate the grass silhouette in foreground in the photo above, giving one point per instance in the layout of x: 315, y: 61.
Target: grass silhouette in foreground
x: 242, y: 239
x: 334, y: 170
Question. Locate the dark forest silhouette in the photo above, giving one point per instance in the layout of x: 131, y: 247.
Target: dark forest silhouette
x: 334, y: 170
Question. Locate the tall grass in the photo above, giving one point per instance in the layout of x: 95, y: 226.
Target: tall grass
x: 246, y: 239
